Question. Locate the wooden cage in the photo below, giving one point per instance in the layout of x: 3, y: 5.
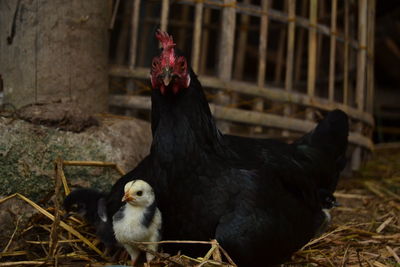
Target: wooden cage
x: 271, y: 68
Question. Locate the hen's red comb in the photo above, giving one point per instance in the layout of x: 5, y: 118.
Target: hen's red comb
x: 165, y: 39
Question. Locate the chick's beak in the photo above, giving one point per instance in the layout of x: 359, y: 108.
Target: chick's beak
x: 127, y: 198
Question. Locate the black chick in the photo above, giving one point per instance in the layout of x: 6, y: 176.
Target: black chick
x: 91, y: 205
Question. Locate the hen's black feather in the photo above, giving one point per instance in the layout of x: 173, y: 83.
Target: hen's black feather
x: 255, y: 196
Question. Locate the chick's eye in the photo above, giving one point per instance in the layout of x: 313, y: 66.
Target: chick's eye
x: 139, y: 193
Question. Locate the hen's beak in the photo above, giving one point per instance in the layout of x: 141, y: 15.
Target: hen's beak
x: 167, y: 79
x: 127, y: 198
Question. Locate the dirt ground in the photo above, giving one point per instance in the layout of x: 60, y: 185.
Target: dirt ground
x: 365, y: 229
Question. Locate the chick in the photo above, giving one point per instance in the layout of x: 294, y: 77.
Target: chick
x: 91, y: 205
x: 138, y: 220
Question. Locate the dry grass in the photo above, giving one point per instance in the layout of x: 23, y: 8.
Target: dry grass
x: 365, y: 229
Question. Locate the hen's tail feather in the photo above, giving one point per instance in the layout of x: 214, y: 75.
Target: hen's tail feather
x: 330, y: 137
x: 331, y: 133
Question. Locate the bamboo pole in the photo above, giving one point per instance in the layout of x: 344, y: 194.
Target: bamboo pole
x: 243, y: 116
x: 318, y: 60
x: 332, y: 52
x: 361, y: 74
x: 263, y: 42
x: 262, y: 62
x: 144, y: 37
x: 241, y: 49
x: 362, y: 54
x: 370, y: 70
x: 226, y: 47
x: 133, y: 45
x: 300, y: 44
x: 164, y: 15
x: 204, y: 43
x: 281, y: 47
x: 254, y: 10
x: 290, y: 55
x: 273, y: 93
x: 198, y: 17
x: 241, y: 45
x: 312, y: 50
x: 182, y: 30
x: 346, y: 53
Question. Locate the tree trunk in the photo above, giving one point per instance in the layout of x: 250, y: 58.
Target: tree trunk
x: 55, y: 50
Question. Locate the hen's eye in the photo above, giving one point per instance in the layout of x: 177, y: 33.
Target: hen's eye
x: 139, y: 193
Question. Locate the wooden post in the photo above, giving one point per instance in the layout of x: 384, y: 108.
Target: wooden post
x: 312, y: 53
x: 332, y: 53
x: 198, y: 17
x: 55, y: 50
x: 226, y: 45
x: 290, y: 56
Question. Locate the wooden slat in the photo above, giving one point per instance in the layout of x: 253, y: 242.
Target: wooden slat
x: 290, y: 46
x: 362, y: 54
x: 164, y: 15
x: 182, y: 32
x: 262, y: 62
x: 290, y: 56
x: 240, y: 53
x: 134, y: 33
x: 281, y: 47
x: 240, y: 116
x: 361, y: 74
x: 262, y: 48
x: 273, y: 14
x: 370, y: 70
x: 332, y: 52
x: 198, y: 18
x: 241, y: 46
x: 205, y: 41
x: 272, y: 93
x: 346, y: 53
x: 227, y: 40
x: 312, y: 53
x: 226, y: 46
x: 300, y: 44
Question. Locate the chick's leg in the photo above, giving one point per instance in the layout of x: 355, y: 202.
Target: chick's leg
x: 149, y: 256
x: 134, y: 253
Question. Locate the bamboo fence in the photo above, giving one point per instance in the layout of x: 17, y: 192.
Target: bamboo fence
x: 270, y: 68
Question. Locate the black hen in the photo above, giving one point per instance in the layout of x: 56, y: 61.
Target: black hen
x: 261, y: 199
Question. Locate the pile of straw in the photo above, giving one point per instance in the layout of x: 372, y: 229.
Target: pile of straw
x: 365, y: 230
